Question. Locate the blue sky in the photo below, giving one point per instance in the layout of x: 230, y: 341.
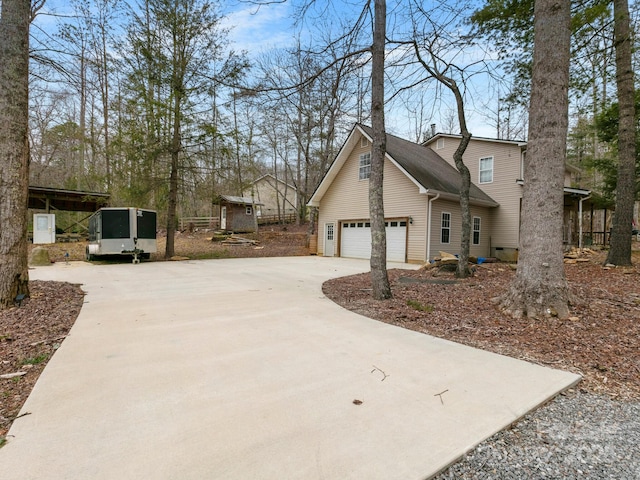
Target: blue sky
x: 259, y: 29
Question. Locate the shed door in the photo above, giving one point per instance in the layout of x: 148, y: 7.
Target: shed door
x: 223, y: 218
x: 356, y: 240
x: 44, y: 228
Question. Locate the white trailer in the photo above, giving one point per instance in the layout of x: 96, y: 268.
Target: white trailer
x: 122, y: 231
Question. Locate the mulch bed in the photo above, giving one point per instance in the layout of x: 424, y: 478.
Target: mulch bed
x: 29, y: 335
x: 600, y: 340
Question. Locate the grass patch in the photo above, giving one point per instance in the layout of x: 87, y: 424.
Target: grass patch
x: 420, y: 306
x: 211, y: 255
x: 35, y: 360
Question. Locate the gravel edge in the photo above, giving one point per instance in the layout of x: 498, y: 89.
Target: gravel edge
x: 578, y: 435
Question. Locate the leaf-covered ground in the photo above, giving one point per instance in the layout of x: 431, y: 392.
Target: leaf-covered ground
x: 600, y: 340
x: 29, y: 336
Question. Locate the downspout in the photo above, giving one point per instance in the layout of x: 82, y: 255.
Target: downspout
x: 580, y: 220
x: 429, y: 208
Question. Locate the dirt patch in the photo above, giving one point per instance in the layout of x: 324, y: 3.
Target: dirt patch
x: 272, y: 241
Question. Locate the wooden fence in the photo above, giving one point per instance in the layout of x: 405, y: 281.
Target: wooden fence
x: 282, y: 218
x: 199, y: 222
x: 214, y: 222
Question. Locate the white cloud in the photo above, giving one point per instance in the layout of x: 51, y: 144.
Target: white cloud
x: 259, y: 29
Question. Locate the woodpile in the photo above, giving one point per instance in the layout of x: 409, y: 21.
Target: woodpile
x: 577, y: 255
x: 446, y: 261
x: 234, y: 240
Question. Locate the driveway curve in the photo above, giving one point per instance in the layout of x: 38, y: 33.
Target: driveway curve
x: 242, y: 369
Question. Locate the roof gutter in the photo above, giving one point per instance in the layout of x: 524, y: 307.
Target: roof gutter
x: 429, y: 208
x: 456, y: 198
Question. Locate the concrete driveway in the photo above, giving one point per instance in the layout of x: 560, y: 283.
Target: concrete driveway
x: 242, y: 369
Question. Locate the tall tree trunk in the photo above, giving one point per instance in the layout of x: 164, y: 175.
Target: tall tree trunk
x: 620, y: 251
x: 237, y: 140
x: 176, y: 147
x: 463, y: 270
x: 14, y: 149
x: 540, y: 288
x: 80, y: 173
x: 379, y: 277
x: 104, y: 91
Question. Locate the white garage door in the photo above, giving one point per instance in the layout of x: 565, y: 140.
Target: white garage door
x: 356, y: 240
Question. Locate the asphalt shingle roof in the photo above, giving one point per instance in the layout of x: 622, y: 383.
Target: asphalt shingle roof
x: 427, y: 167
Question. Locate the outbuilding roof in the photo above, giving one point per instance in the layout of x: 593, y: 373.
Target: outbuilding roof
x: 45, y: 198
x: 239, y: 200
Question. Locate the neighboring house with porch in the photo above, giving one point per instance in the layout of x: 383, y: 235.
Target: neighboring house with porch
x: 276, y: 199
x: 421, y: 198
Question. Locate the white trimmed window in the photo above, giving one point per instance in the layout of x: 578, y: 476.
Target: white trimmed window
x: 440, y: 144
x: 249, y: 210
x: 330, y: 231
x: 476, y: 231
x: 364, y: 142
x: 364, y: 172
x: 445, y: 228
x: 486, y: 170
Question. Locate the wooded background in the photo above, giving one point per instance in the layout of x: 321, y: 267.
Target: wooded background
x: 149, y: 99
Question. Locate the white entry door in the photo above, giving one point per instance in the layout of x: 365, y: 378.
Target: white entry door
x: 44, y: 228
x: 329, y: 236
x: 223, y: 218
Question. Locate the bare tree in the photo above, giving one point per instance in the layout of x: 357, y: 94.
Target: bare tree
x: 379, y: 277
x: 620, y: 251
x: 437, y: 47
x: 540, y: 287
x: 433, y: 66
x: 15, y: 17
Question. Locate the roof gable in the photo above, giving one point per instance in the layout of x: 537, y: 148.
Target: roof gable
x: 239, y: 200
x: 268, y: 177
x: 428, y: 168
x: 421, y: 164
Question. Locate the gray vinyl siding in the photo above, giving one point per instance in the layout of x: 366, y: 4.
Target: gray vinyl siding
x: 505, y: 219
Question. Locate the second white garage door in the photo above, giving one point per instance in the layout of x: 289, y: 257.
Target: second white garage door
x: 356, y: 240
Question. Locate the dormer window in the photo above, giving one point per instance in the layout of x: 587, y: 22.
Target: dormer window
x: 440, y: 144
x: 364, y: 142
x: 364, y: 171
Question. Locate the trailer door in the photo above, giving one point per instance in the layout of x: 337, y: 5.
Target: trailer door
x: 146, y: 223
x: 115, y: 224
